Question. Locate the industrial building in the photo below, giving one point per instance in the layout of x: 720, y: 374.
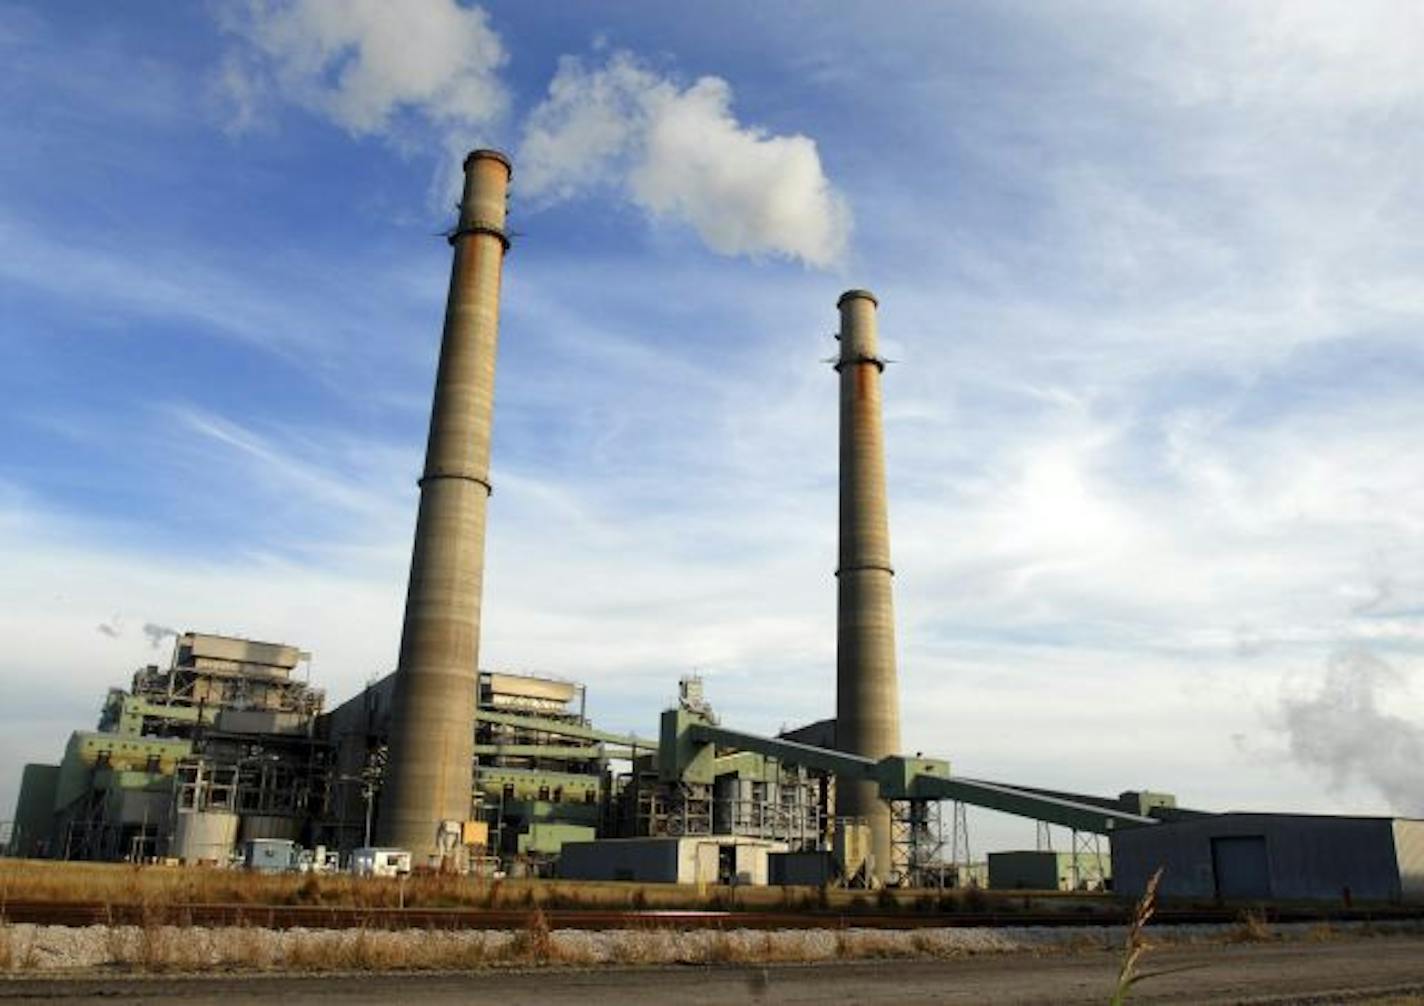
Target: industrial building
x: 1276, y: 857
x: 218, y: 747
x: 706, y: 859
x: 227, y: 747
x: 464, y: 769
x: 1047, y: 870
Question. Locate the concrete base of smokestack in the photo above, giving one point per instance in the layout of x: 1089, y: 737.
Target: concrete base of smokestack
x: 867, y: 683
x: 429, y: 771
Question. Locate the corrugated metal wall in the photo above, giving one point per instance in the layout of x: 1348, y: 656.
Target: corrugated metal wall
x: 1306, y: 857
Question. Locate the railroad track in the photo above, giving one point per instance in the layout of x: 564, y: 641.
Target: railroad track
x: 333, y: 917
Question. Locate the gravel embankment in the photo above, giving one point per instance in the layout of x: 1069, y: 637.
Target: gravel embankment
x: 30, y: 949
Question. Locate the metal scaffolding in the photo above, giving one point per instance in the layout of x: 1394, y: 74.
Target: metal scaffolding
x: 916, y: 844
x: 1090, y: 871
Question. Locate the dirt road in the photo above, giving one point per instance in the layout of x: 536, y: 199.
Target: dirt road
x: 1382, y: 969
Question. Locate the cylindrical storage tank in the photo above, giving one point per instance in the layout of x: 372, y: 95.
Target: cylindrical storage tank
x: 255, y: 826
x: 205, y: 836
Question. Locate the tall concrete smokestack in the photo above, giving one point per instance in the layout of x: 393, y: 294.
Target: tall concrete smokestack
x: 867, y: 691
x: 429, y: 772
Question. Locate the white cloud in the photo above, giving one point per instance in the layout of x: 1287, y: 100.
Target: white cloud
x: 680, y: 154
x: 242, y: 91
x: 1286, y: 53
x: 365, y: 63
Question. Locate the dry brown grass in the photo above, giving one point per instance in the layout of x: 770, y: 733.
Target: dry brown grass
x: 1321, y: 932
x: 158, y: 888
x: 643, y: 944
x: 930, y: 944
x: 869, y: 945
x: 169, y: 949
x: 745, y: 946
x: 721, y: 948
x: 1251, y: 927
x: 534, y: 944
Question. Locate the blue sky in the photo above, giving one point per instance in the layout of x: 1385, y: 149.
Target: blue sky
x: 1150, y: 273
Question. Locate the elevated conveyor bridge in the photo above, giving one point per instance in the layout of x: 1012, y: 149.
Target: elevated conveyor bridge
x: 688, y: 747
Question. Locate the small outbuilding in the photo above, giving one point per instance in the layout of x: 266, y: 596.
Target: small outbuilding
x: 1275, y: 857
x: 690, y: 859
x: 1046, y: 870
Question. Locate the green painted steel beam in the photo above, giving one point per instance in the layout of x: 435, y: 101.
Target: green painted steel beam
x: 562, y: 729
x: 595, y: 752
x: 1023, y: 803
x: 901, y: 778
x: 840, y: 763
x: 534, y: 776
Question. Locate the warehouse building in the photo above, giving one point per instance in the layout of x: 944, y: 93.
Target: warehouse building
x: 1277, y: 857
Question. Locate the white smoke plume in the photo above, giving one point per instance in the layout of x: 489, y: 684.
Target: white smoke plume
x: 366, y: 63
x: 157, y: 633
x: 379, y: 68
x: 680, y: 153
x: 1344, y: 728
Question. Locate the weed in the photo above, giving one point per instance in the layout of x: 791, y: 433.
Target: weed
x: 721, y: 948
x: 309, y: 893
x: 1137, y: 945
x: 721, y: 901
x: 924, y: 944
x: 155, y: 947
x: 534, y: 944
x: 472, y: 951
x: 876, y: 945
x: 632, y: 949
x: 1251, y: 928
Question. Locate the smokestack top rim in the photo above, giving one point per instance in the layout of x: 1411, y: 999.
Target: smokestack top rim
x: 487, y: 153
x: 860, y: 295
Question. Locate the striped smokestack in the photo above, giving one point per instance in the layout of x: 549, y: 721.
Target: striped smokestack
x: 867, y: 691
x: 429, y: 771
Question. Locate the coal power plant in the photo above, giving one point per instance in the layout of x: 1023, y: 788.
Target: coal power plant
x: 230, y: 756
